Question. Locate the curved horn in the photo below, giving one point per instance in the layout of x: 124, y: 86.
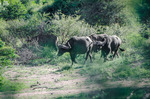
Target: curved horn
x: 104, y: 41
x: 68, y: 44
x: 57, y: 43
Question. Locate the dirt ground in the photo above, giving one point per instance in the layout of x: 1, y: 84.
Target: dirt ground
x: 47, y: 82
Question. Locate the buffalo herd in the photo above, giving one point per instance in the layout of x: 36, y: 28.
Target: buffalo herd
x: 93, y: 43
x: 83, y: 45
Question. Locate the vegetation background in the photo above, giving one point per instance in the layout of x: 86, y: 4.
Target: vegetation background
x: 128, y: 19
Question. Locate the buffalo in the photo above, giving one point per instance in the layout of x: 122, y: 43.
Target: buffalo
x: 45, y: 40
x: 111, y: 44
x: 115, y: 45
x: 77, y: 45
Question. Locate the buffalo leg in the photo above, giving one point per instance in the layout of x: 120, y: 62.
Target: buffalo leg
x: 86, y: 56
x: 106, y: 54
x: 116, y: 53
x: 90, y: 55
x: 73, y: 56
x: 102, y: 53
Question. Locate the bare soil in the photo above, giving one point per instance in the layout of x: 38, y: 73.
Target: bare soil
x: 47, y: 82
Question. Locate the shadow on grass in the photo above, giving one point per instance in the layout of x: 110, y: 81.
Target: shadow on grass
x: 64, y: 68
x: 113, y: 93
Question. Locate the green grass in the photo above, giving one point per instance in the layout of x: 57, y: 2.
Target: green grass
x: 119, y: 68
x: 7, y: 85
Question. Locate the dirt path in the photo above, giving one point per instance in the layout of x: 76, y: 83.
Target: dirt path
x: 46, y: 82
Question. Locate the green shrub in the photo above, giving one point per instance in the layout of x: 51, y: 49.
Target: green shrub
x: 6, y: 85
x: 15, y: 32
x: 13, y: 11
x: 67, y: 26
x: 143, y: 10
x: 67, y: 7
x: 24, y: 1
x: 103, y: 12
x: 3, y: 31
x: 7, y: 54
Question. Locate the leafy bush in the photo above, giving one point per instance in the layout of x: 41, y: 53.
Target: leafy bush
x: 15, y: 32
x: 24, y: 1
x: 143, y: 10
x: 103, y: 12
x: 6, y: 56
x: 6, y: 85
x: 67, y: 26
x: 13, y: 11
x: 67, y: 7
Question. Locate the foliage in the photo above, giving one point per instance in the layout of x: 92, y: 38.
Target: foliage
x: 14, y: 32
x: 13, y: 11
x: 24, y: 1
x: 146, y: 51
x: 143, y: 9
x: 104, y: 12
x: 6, y: 85
x: 67, y: 7
x: 67, y: 26
x: 6, y: 56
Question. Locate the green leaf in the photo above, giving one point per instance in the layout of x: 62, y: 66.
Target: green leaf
x: 2, y: 2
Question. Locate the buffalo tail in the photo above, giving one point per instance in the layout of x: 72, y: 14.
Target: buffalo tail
x: 122, y: 49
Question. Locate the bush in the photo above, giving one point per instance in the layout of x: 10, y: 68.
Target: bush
x: 24, y: 1
x: 67, y: 26
x: 7, y: 54
x: 6, y: 85
x: 143, y: 10
x: 13, y: 11
x: 15, y: 32
x: 103, y: 12
x: 67, y: 7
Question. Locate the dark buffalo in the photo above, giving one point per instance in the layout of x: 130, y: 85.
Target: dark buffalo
x: 45, y: 40
x: 115, y: 45
x: 77, y: 45
x: 112, y: 44
x: 97, y: 45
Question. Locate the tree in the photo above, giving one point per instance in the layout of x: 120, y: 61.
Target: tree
x: 13, y: 11
x: 10, y: 1
x: 104, y: 12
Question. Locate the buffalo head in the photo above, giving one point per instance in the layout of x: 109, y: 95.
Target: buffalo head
x: 97, y: 45
x: 63, y: 48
